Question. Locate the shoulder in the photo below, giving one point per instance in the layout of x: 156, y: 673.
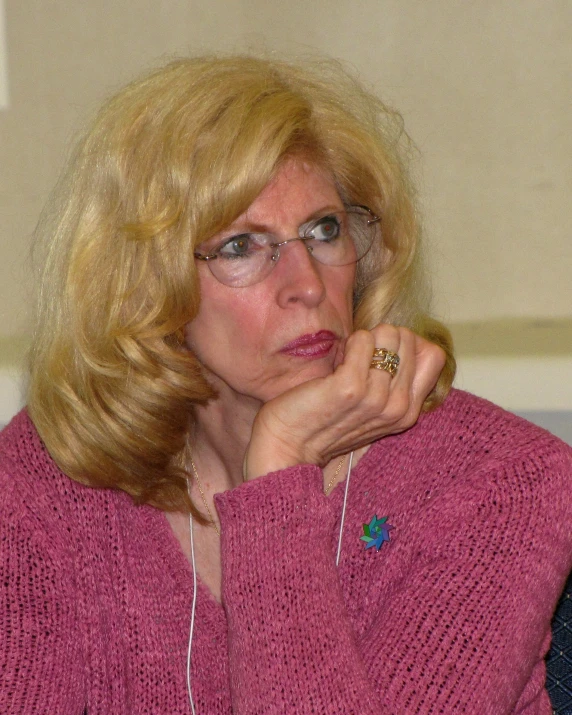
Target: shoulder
x: 481, y: 545
x: 470, y: 454
x: 33, y: 506
x: 474, y: 479
x: 26, y: 469
x: 472, y: 419
x: 491, y: 447
x: 472, y: 431
x: 28, y: 475
x: 39, y: 500
x: 39, y: 586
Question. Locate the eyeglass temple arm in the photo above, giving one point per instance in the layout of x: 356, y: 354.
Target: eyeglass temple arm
x: 374, y: 217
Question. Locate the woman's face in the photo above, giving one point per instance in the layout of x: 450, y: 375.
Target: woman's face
x: 258, y: 341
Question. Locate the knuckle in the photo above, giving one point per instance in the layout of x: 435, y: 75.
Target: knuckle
x: 360, y: 339
x: 387, y: 334
x: 440, y: 356
x: 407, y: 335
x: 365, y: 337
x: 434, y: 359
x: 410, y: 417
x: 398, y: 406
x: 351, y: 391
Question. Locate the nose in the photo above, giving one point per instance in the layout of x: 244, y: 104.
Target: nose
x: 300, y: 276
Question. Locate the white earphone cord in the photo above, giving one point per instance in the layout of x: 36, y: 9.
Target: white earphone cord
x: 189, y: 650
x: 351, y: 459
x: 192, y: 628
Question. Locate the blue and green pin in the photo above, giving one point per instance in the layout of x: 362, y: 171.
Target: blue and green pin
x: 376, y: 533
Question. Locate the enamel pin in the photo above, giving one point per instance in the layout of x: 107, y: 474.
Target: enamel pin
x: 376, y: 532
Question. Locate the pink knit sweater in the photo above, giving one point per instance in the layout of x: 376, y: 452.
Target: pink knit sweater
x: 452, y: 615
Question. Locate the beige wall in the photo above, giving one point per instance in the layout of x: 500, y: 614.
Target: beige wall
x: 63, y: 57
x: 485, y: 88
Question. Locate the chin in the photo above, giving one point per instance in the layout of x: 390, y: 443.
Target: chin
x: 306, y: 373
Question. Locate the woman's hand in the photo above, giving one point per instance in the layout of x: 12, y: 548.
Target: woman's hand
x: 350, y: 408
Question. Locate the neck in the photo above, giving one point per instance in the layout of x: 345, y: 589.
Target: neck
x: 220, y: 438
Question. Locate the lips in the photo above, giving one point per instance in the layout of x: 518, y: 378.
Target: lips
x: 311, y: 345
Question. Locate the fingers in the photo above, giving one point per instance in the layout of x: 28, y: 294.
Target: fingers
x: 353, y: 406
x: 421, y: 363
x: 402, y: 342
x: 398, y: 411
x: 399, y: 397
x: 388, y: 337
x: 361, y: 344
x: 358, y: 352
x: 430, y: 360
x: 381, y: 397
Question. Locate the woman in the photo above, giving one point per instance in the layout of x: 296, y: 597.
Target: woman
x: 232, y: 324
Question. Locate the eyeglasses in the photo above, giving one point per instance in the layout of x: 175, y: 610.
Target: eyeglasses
x: 339, y: 238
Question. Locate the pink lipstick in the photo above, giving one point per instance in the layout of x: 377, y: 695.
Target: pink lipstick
x: 312, y: 345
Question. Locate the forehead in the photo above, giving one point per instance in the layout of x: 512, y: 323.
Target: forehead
x: 296, y: 192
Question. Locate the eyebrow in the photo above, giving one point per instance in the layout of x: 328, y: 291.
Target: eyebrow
x: 254, y: 227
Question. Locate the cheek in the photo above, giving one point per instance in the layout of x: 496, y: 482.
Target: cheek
x: 342, y: 297
x: 226, y: 330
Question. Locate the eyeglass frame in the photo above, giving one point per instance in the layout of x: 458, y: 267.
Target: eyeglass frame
x: 275, y: 257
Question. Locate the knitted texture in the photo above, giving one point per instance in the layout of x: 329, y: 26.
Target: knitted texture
x: 451, y: 616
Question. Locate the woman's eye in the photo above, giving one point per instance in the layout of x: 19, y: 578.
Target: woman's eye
x: 326, y: 229
x: 237, y: 246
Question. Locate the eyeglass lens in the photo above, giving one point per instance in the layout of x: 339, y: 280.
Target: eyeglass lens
x: 338, y: 239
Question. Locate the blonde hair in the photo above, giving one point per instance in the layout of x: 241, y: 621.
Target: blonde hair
x: 169, y: 161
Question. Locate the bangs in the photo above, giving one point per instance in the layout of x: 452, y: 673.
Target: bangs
x: 239, y: 154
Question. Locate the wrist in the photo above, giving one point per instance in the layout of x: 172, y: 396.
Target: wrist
x: 259, y: 461
x: 267, y: 453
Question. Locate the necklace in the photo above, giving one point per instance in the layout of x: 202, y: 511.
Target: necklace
x: 200, y: 486
x: 209, y: 512
x: 333, y: 479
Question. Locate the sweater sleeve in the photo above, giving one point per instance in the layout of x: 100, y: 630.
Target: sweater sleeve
x: 460, y: 626
x: 291, y: 645
x: 40, y: 655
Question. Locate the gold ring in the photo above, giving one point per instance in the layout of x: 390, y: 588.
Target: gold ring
x: 386, y: 360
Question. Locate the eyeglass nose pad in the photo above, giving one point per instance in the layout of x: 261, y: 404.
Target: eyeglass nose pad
x: 276, y: 254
